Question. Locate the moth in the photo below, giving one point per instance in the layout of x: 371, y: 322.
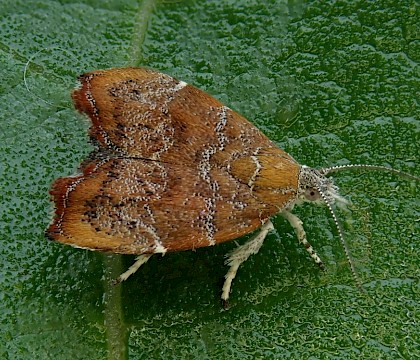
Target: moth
x: 174, y: 169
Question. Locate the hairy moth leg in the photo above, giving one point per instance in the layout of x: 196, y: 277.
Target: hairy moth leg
x: 140, y: 260
x: 241, y: 254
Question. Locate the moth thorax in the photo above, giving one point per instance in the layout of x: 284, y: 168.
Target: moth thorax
x: 316, y: 187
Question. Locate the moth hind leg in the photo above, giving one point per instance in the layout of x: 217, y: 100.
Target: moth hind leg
x: 301, y: 235
x: 140, y: 260
x: 240, y: 255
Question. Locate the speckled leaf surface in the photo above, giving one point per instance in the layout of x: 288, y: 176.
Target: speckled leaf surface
x: 329, y: 82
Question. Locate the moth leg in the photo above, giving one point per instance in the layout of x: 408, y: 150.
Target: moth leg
x: 241, y: 254
x: 301, y: 235
x: 140, y: 260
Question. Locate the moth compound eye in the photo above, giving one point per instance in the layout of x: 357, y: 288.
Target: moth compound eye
x: 312, y: 194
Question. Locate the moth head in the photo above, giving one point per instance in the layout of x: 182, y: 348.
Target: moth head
x: 316, y: 186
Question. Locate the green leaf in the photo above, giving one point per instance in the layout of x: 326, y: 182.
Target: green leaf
x: 329, y: 82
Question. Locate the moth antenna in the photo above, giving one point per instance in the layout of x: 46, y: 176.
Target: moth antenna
x: 31, y: 60
x: 329, y: 170
x: 25, y: 74
x: 342, y: 239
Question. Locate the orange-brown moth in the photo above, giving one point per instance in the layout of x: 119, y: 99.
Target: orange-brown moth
x: 174, y: 170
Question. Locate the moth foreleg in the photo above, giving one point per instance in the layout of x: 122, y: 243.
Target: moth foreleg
x: 301, y: 235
